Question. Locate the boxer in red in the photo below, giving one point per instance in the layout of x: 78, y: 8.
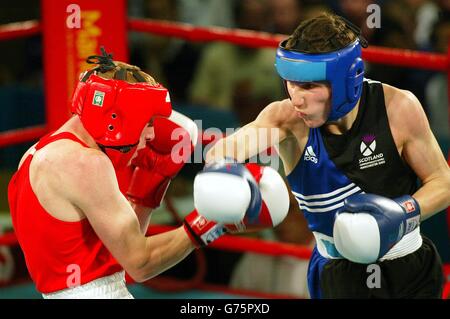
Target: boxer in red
x: 82, y: 196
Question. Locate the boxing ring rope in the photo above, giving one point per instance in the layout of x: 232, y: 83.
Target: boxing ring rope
x: 17, y: 136
x: 253, y: 39
x: 17, y: 30
x: 244, y: 244
x: 225, y: 243
x: 397, y: 57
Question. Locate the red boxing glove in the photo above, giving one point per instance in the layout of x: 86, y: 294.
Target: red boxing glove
x: 162, y: 159
x: 201, y: 231
x: 275, y: 204
x: 123, y: 176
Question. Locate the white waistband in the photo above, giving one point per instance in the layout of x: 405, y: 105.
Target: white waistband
x: 109, y: 287
x: 407, y: 245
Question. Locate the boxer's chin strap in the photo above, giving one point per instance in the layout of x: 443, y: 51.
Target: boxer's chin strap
x: 122, y: 149
x: 120, y: 156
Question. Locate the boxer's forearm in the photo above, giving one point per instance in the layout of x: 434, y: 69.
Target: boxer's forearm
x: 434, y: 196
x: 164, y: 251
x: 245, y: 143
x: 221, y: 149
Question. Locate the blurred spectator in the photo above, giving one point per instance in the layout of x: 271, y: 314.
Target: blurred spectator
x: 231, y: 77
x: 206, y: 13
x: 251, y: 14
x: 285, y: 15
x: 185, y: 58
x: 397, y: 25
x: 396, y: 31
x: 440, y: 35
x: 414, y: 18
x: 169, y: 59
x: 312, y: 10
x: 437, y: 87
x: 427, y: 13
x: 404, y: 23
x: 356, y: 12
x: 151, y: 51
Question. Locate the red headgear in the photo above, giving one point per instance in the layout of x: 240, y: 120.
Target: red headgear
x: 115, y: 112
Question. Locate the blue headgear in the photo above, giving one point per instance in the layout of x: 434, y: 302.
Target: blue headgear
x: 342, y: 69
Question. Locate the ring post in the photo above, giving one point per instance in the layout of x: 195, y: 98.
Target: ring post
x: 73, y: 30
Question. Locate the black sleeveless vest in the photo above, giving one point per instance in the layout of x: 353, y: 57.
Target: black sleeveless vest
x: 367, y: 153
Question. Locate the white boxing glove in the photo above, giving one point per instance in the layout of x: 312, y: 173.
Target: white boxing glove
x: 369, y: 225
x: 233, y: 193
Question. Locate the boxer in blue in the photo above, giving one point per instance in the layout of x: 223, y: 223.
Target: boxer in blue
x: 353, y: 151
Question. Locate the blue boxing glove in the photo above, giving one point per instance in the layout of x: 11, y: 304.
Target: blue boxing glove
x: 369, y: 225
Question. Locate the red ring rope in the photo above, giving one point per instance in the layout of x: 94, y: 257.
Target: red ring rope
x: 19, y: 29
x: 227, y: 242
x: 17, y: 136
x: 253, y: 39
x: 406, y: 58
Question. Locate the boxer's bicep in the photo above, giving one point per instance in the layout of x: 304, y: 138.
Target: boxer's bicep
x: 420, y: 150
x: 424, y: 156
x: 92, y: 187
x: 422, y: 153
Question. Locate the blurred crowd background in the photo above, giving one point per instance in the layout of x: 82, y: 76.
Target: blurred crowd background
x: 227, y: 78
x: 227, y: 86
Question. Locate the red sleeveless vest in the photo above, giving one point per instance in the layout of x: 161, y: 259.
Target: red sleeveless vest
x: 55, y: 251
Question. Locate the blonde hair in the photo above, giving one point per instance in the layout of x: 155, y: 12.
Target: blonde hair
x: 130, y: 71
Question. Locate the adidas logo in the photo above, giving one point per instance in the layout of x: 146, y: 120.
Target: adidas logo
x: 310, y: 155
